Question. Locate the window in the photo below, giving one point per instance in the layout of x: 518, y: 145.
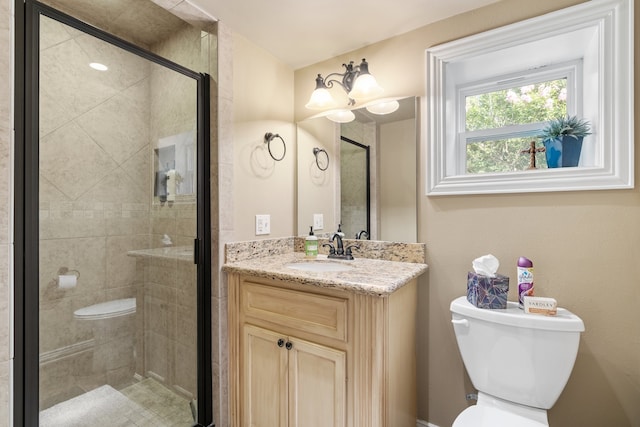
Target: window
x: 499, y: 118
x: 489, y: 95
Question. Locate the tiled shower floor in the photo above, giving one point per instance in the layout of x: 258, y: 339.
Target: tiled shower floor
x: 145, y: 403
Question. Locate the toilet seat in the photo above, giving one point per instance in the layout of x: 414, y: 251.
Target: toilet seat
x: 107, y: 310
x: 494, y: 412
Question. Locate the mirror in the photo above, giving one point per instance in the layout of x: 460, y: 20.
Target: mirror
x: 338, y: 194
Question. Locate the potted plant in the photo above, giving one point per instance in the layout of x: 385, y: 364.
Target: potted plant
x: 562, y: 139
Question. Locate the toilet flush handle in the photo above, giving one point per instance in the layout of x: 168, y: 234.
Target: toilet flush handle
x: 462, y: 322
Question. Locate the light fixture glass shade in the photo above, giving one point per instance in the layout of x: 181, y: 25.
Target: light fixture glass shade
x: 382, y: 108
x: 341, y: 116
x: 321, y: 99
x: 365, y: 87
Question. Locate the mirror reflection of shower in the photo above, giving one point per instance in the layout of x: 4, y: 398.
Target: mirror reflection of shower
x: 393, y: 150
x: 355, y: 189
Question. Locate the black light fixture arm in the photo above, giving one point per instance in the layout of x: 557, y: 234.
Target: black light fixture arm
x: 346, y: 79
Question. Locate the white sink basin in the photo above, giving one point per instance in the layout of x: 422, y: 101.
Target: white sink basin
x: 319, y: 266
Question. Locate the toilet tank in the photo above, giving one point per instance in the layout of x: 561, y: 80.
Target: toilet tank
x: 518, y: 357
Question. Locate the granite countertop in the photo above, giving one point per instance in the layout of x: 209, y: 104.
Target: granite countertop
x: 367, y: 276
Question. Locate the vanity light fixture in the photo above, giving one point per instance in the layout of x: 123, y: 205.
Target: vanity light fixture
x: 382, y: 107
x: 341, y: 116
x: 359, y: 84
x: 356, y: 81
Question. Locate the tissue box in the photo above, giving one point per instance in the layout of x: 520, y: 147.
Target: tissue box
x: 487, y: 292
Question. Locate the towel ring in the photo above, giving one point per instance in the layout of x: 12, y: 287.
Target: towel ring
x: 268, y: 137
x: 316, y: 152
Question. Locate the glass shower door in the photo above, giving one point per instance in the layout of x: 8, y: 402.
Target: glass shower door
x: 118, y: 286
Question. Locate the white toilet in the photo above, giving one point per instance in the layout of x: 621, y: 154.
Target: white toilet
x: 107, y: 310
x: 518, y: 362
x: 113, y: 326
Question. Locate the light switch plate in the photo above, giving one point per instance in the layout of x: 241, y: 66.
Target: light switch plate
x: 318, y: 221
x: 263, y: 224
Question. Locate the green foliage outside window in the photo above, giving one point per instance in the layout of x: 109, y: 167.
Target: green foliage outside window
x: 509, y: 107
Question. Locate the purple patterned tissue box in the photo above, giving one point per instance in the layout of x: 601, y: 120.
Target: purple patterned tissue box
x: 487, y: 292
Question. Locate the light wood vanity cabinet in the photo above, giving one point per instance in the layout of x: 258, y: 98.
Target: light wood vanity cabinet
x: 302, y: 355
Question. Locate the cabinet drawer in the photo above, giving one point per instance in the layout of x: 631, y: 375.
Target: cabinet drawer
x: 318, y: 314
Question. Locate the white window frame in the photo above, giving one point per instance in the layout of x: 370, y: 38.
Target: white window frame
x: 599, y: 33
x: 571, y: 71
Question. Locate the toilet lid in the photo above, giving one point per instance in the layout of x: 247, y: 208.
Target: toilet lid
x: 106, y: 310
x: 482, y: 416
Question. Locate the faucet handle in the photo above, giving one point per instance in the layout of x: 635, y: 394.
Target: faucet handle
x: 348, y: 250
x: 332, y: 250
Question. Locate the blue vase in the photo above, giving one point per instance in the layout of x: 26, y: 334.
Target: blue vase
x: 563, y: 152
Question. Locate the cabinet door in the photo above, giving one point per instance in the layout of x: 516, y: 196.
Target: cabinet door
x: 264, y: 377
x: 317, y: 385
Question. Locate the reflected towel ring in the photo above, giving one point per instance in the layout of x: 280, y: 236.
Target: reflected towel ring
x: 316, y: 152
x: 268, y: 137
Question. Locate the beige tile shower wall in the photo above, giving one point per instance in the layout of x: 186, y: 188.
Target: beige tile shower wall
x: 6, y: 124
x: 169, y: 296
x: 222, y: 220
x: 169, y: 286
x: 94, y: 196
x: 86, y: 221
x: 173, y: 112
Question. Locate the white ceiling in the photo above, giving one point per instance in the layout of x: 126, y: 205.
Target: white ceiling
x: 303, y: 32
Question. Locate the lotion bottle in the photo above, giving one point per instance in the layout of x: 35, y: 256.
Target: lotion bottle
x: 311, y: 245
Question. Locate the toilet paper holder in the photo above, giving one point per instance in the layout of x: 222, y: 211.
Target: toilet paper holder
x: 67, y: 278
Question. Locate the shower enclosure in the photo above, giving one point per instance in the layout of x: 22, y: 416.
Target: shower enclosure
x: 112, y: 225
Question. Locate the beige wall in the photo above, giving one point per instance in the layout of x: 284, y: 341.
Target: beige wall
x: 316, y: 189
x: 262, y: 102
x: 6, y: 173
x: 585, y: 246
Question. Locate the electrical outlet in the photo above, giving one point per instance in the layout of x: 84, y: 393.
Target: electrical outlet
x: 318, y: 221
x: 263, y: 224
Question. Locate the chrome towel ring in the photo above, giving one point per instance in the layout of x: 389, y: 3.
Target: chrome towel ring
x: 316, y: 152
x: 268, y: 137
